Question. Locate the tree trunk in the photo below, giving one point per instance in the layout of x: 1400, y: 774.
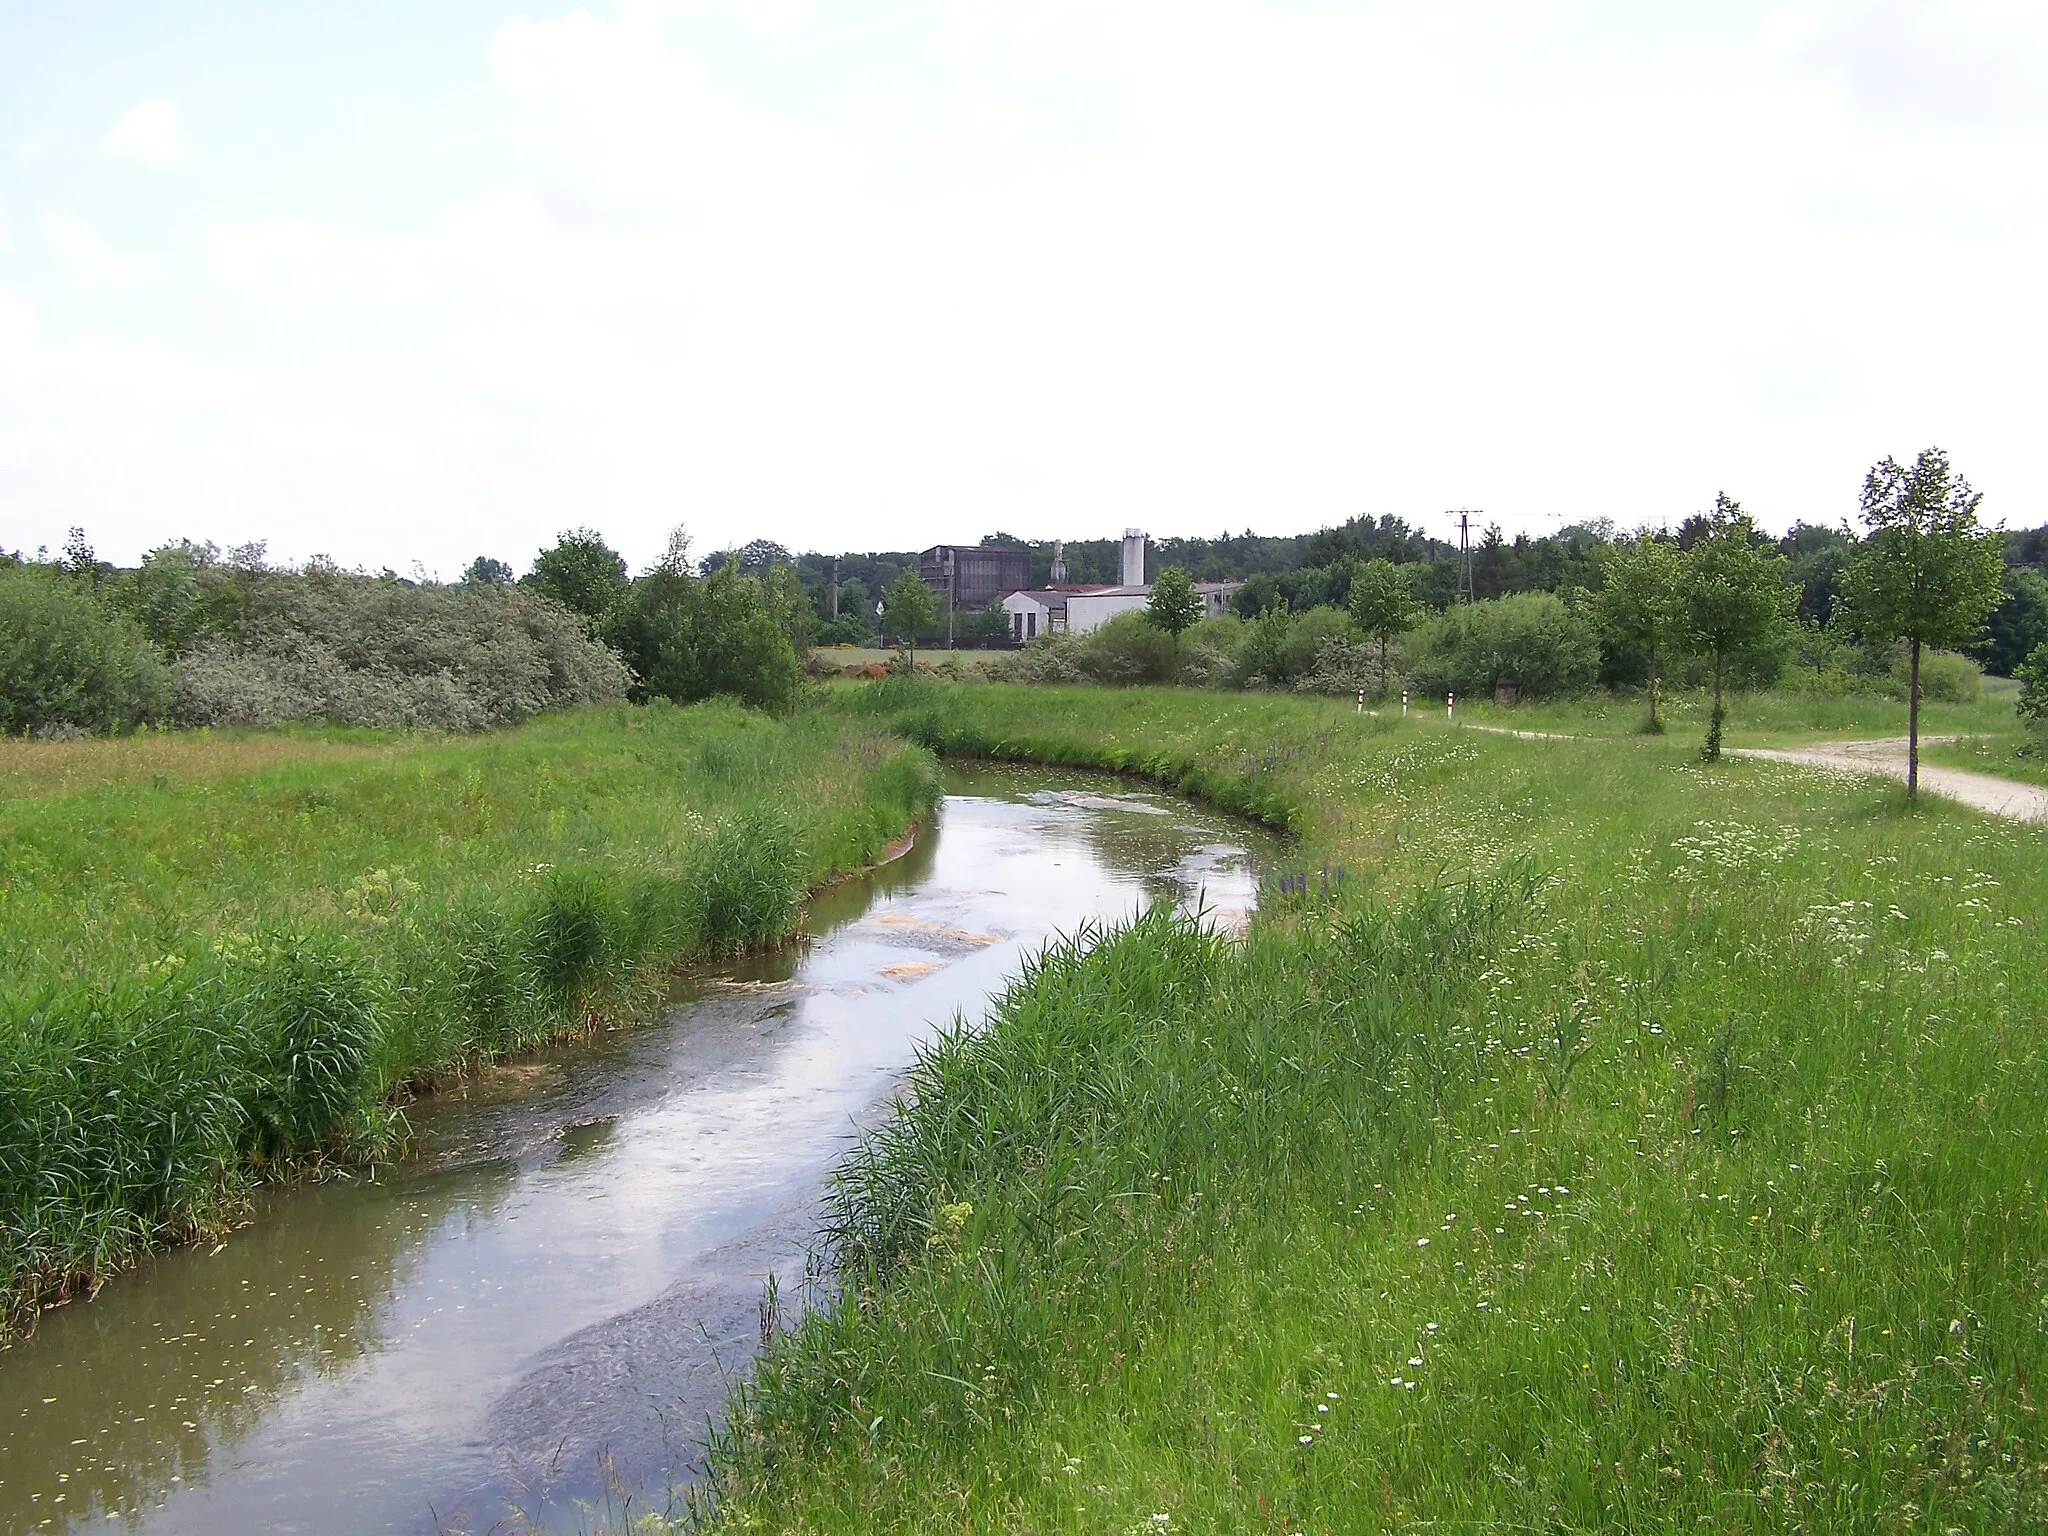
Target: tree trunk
x: 1913, y: 725
x: 1656, y: 720
x: 1383, y: 666
x: 1713, y: 751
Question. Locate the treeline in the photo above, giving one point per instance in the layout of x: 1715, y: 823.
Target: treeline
x: 1316, y: 570
x: 1720, y: 603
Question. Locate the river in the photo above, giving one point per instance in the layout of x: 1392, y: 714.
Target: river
x: 529, y: 1322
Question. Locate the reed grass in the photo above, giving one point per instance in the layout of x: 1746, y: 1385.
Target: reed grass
x: 1631, y: 1145
x: 236, y: 965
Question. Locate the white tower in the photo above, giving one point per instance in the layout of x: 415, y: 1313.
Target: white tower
x: 1134, y: 557
x: 1058, y: 574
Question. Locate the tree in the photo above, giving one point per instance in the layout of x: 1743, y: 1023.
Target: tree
x: 2033, y: 680
x: 2018, y: 625
x: 763, y: 556
x: 1638, y: 606
x: 582, y: 573
x: 483, y: 571
x: 67, y: 660
x: 1732, y: 595
x: 1174, y: 605
x: 1927, y: 574
x: 1383, y: 605
x: 908, y: 610
x: 688, y: 637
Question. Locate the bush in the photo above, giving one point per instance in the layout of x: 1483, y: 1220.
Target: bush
x: 2033, y: 680
x: 1530, y: 639
x: 1128, y: 648
x: 66, y: 660
x: 688, y: 637
x: 357, y: 650
x: 1052, y: 658
x: 1945, y: 677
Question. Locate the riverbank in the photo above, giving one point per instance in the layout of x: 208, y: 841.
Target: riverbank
x: 230, y: 963
x: 1626, y: 1144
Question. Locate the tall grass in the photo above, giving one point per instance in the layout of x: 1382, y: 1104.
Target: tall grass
x: 214, y: 976
x: 1639, y: 1147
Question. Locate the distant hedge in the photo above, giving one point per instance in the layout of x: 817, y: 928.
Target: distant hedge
x: 360, y: 650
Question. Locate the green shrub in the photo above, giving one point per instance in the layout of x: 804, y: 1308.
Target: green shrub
x: 1530, y: 639
x: 2033, y: 680
x: 688, y: 637
x: 1127, y: 648
x: 66, y: 660
x: 358, y: 650
x: 1945, y: 677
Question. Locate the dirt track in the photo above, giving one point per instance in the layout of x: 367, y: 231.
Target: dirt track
x: 1994, y: 796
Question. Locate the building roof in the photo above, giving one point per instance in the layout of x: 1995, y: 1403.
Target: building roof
x: 1052, y: 597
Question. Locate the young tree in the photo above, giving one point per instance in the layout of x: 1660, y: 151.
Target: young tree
x: 582, y: 573
x: 1174, y: 605
x: 1383, y: 605
x: 1638, y: 607
x: 907, y: 611
x: 1731, y: 594
x: 1928, y: 573
x: 688, y: 637
x: 484, y: 571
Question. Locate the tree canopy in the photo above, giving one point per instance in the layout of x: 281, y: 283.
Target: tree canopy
x: 1928, y: 573
x: 1733, y: 593
x: 1174, y: 605
x: 582, y: 573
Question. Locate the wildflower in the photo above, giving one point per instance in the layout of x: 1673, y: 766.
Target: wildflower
x: 1415, y: 1359
x: 1432, y: 1327
x: 1307, y: 1439
x: 1422, y: 1242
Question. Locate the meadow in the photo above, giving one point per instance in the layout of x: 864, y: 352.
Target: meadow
x: 1623, y: 1144
x: 229, y: 956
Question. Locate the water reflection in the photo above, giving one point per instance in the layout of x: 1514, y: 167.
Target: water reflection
x: 566, y: 1275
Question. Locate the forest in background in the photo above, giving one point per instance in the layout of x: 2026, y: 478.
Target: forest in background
x: 194, y: 635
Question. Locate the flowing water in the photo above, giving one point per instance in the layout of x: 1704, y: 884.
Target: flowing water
x: 530, y: 1322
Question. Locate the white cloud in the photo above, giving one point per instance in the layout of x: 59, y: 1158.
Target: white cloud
x: 779, y: 19
x: 149, y: 133
x: 1195, y: 265
x: 88, y: 260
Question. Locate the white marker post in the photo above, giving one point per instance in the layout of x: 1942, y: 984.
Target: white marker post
x: 1450, y: 706
x: 1361, y: 701
x: 1404, y: 703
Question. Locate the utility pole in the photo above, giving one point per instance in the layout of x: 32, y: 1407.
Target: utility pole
x: 1465, y: 588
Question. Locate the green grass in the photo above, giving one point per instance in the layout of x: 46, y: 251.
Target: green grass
x: 1149, y: 1250
x: 2010, y: 753
x: 1769, y: 718
x: 229, y: 961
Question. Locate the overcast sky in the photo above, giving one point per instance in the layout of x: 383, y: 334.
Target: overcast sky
x: 398, y: 282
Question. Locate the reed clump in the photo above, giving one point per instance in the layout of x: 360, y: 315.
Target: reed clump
x: 218, y: 980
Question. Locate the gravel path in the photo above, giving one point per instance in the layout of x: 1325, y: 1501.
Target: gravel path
x: 1993, y: 796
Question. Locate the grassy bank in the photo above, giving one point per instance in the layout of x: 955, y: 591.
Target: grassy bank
x: 224, y: 955
x: 1770, y: 718
x: 1635, y: 1146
